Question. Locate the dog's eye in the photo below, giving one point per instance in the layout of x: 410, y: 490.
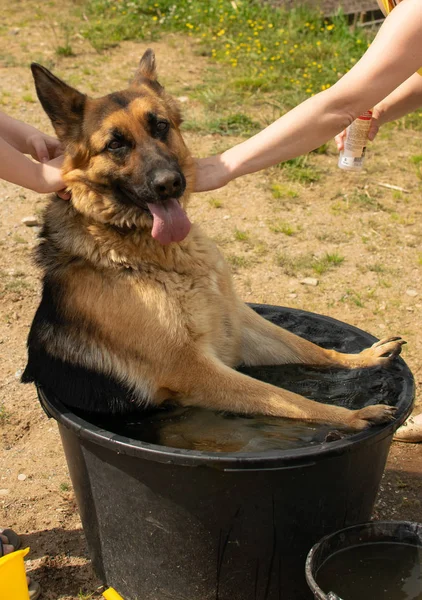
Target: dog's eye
x: 115, y: 145
x: 162, y: 126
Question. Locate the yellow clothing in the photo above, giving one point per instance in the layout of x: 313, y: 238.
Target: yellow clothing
x: 387, y: 6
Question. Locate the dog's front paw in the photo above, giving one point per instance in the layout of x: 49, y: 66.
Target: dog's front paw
x: 382, y: 352
x: 376, y: 414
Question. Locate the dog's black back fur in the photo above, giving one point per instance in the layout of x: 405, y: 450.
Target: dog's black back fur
x: 75, y: 386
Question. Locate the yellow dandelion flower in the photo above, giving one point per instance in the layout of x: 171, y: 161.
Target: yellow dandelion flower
x: 318, y: 43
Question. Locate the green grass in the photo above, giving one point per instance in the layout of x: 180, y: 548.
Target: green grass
x: 299, y: 170
x: 238, y: 262
x: 241, y: 236
x: 65, y: 51
x: 294, y: 265
x: 83, y: 596
x: 260, y: 56
x: 215, y: 203
x: 4, y: 415
x: 306, y: 263
x: 417, y: 161
x: 351, y: 297
x: 327, y: 262
x: 280, y: 191
x: 17, y: 286
x: 28, y: 98
x: 282, y: 227
x: 235, y: 124
x: 292, y: 53
x: 19, y: 239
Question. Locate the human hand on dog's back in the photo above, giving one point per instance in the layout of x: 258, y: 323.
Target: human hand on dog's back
x: 18, y: 139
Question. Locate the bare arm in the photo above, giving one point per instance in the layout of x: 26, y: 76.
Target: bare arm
x: 405, y: 99
x: 16, y: 140
x: 28, y: 139
x: 18, y: 168
x: 393, y: 57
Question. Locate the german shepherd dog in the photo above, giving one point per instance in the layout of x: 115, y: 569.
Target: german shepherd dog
x: 138, y: 306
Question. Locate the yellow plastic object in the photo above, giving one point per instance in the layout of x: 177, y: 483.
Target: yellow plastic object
x: 12, y: 576
x: 110, y: 594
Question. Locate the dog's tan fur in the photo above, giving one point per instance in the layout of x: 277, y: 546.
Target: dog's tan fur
x: 163, y: 320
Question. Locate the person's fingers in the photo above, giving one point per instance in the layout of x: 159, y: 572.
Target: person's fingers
x: 339, y: 139
x: 57, y: 161
x: 373, y: 130
x: 64, y: 195
x: 40, y: 149
x: 57, y: 150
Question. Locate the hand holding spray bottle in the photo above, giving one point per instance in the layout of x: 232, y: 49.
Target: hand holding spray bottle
x: 353, y: 155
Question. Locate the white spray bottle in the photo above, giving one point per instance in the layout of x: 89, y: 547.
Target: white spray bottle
x: 353, y: 155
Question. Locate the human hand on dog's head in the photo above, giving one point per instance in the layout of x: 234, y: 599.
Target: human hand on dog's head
x: 211, y: 173
x: 50, y: 178
x: 43, y: 147
x: 48, y: 151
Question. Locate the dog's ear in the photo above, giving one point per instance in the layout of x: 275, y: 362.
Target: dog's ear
x: 63, y: 104
x: 146, y: 69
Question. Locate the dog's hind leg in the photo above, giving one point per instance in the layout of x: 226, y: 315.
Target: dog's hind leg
x: 207, y: 382
x: 264, y: 343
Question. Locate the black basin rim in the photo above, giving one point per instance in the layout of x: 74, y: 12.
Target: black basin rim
x: 270, y: 459
x: 387, y: 526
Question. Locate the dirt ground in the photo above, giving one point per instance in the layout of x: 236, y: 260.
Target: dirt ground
x: 268, y: 240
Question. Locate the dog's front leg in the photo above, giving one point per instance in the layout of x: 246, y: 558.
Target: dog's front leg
x: 264, y: 343
x: 205, y: 381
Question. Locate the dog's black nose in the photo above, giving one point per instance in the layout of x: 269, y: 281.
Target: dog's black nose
x: 167, y: 184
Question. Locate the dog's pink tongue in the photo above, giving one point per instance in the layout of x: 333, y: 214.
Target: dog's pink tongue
x: 171, y: 223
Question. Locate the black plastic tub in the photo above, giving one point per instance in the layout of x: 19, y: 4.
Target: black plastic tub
x: 369, y: 535
x: 164, y: 523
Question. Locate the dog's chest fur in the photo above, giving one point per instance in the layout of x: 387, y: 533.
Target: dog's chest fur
x: 116, y: 301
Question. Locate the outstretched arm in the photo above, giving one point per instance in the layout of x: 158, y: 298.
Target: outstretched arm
x: 18, y: 168
x: 392, y: 58
x: 28, y: 139
x: 16, y: 140
x: 405, y: 99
